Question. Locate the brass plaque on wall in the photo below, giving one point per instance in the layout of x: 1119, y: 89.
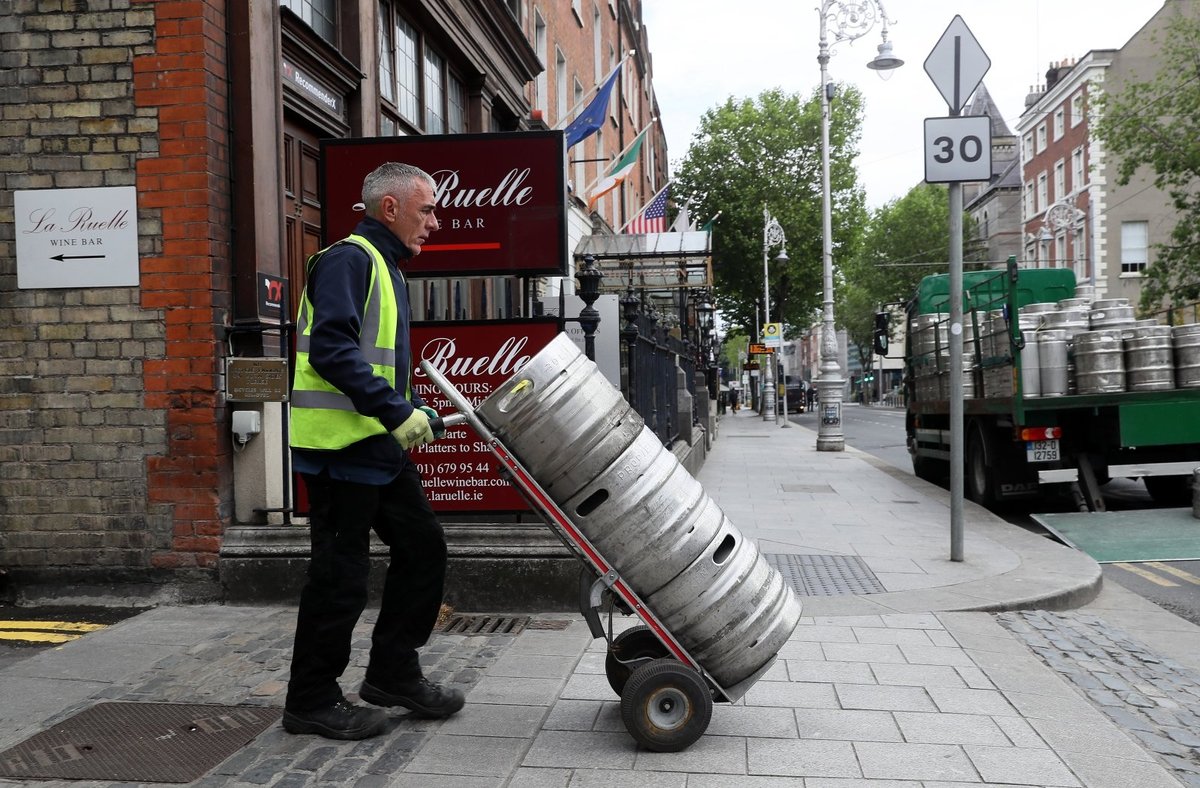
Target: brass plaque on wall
x: 256, y: 379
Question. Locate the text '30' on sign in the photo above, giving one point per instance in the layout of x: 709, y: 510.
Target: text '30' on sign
x: 958, y: 149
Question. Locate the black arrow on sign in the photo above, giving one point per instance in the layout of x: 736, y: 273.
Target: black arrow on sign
x: 61, y: 257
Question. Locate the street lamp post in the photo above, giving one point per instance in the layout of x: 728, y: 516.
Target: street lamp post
x: 772, y: 234
x: 850, y: 19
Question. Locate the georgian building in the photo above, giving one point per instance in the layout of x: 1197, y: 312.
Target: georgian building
x: 206, y: 117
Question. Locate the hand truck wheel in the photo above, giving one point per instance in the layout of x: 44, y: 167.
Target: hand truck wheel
x: 634, y: 643
x: 666, y: 706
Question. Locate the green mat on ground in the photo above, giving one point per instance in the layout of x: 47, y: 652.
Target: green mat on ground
x: 1146, y: 535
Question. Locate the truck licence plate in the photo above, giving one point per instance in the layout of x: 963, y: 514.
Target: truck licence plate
x: 1042, y: 451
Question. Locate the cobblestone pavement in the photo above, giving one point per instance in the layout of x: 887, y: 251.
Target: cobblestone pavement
x: 249, y: 664
x: 1150, y: 696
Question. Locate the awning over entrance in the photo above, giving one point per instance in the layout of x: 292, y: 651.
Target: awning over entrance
x: 654, y: 261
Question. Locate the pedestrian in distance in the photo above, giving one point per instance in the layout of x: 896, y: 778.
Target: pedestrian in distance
x: 355, y: 420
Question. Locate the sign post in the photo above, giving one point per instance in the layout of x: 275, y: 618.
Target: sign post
x: 957, y: 149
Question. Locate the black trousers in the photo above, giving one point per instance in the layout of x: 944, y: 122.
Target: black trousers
x: 341, y: 515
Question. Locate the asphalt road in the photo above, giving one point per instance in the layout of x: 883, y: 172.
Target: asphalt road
x: 27, y: 630
x: 1173, y: 585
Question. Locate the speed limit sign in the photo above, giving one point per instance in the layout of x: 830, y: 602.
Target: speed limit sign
x: 958, y: 149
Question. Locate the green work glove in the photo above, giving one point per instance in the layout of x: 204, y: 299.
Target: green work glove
x: 414, y: 432
x: 432, y: 414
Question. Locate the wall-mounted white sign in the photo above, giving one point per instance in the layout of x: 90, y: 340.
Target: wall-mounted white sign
x: 76, y: 237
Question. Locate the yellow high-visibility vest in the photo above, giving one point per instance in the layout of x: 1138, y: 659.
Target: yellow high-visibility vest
x: 322, y: 417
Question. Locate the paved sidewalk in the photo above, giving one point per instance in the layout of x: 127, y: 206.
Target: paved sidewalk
x: 915, y: 686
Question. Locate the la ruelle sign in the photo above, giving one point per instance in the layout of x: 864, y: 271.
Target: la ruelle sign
x: 459, y: 472
x: 501, y: 199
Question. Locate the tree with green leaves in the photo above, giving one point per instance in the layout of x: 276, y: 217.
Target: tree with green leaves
x: 907, y: 239
x: 1154, y: 125
x: 766, y: 152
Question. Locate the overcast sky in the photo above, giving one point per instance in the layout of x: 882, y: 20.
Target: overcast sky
x: 707, y: 50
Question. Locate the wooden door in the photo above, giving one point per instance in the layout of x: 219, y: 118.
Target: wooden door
x: 301, y: 204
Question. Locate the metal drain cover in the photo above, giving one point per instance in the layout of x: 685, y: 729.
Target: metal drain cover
x: 468, y: 624
x: 138, y: 742
x: 825, y: 575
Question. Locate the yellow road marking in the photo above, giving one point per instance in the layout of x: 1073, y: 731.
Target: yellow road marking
x: 66, y: 626
x: 1171, y: 570
x: 1144, y: 573
x: 38, y: 637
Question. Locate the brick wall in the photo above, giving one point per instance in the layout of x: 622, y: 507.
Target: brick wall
x: 113, y: 464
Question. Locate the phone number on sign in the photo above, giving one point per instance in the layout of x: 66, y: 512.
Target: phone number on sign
x: 429, y: 468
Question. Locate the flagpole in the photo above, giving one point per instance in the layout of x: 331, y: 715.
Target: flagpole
x: 566, y: 119
x: 645, y: 204
x: 623, y: 151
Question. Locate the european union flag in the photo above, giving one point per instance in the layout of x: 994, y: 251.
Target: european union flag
x: 592, y: 118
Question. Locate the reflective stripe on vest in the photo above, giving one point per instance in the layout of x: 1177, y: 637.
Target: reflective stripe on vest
x: 322, y: 416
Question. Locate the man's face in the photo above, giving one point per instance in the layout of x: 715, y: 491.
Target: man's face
x: 410, y: 218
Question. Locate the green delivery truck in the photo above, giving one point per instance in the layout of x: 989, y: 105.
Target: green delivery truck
x: 1045, y: 402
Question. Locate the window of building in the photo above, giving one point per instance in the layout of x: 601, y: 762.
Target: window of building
x: 1041, y: 138
x: 1060, y: 250
x: 597, y: 46
x: 320, y: 15
x: 540, y: 85
x: 1060, y: 179
x: 560, y: 86
x: 435, y: 96
x: 986, y: 231
x: 577, y: 9
x: 1078, y: 173
x: 1028, y: 204
x: 419, y: 90
x: 1077, y: 109
x: 406, y: 67
x: 1135, y: 247
x: 580, y: 173
x: 1079, y: 255
x: 1027, y: 147
x: 614, y: 106
x: 456, y: 105
x: 1059, y: 125
x: 1043, y: 201
x: 387, y: 68
x: 514, y: 8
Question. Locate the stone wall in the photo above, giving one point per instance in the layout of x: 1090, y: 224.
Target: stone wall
x: 110, y: 442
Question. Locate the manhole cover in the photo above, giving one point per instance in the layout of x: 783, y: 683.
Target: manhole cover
x: 138, y: 742
x: 466, y: 624
x: 825, y: 575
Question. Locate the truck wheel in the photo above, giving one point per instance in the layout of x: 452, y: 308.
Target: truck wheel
x: 666, y: 705
x: 1169, y: 490
x: 980, y: 482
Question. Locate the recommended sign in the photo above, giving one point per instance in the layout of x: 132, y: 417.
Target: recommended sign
x: 958, y: 149
x: 772, y: 334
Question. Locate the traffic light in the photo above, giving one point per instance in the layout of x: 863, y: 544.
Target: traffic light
x: 881, y: 333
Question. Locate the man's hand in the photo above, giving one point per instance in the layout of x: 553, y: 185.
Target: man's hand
x: 414, y: 432
x: 432, y: 414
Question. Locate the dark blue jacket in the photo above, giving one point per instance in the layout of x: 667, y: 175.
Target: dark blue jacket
x: 337, y: 288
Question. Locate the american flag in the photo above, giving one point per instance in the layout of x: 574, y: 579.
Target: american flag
x: 653, y: 218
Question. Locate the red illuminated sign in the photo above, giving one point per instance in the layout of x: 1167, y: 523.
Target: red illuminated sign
x: 501, y: 198
x: 459, y: 471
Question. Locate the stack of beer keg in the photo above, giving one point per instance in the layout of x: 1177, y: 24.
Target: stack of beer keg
x: 643, y: 512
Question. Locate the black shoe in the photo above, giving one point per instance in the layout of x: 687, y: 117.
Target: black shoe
x: 342, y: 720
x: 422, y: 696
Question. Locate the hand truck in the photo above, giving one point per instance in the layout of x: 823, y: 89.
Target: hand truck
x: 666, y: 695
